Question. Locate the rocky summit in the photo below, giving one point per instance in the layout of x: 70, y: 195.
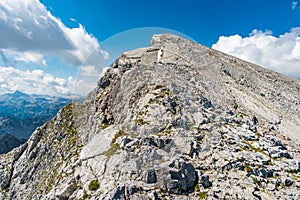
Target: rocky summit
x: 176, y: 120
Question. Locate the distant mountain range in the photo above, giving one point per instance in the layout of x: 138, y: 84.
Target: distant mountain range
x: 8, y: 142
x: 21, y: 114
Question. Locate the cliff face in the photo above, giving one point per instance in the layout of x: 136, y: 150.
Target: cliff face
x: 173, y: 121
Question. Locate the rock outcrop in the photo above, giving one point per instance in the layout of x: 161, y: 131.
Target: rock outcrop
x: 175, y: 120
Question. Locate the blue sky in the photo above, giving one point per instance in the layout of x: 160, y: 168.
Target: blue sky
x: 202, y: 20
x: 61, y: 47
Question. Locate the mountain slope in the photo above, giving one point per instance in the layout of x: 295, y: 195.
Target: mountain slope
x: 8, y: 142
x: 21, y: 114
x: 173, y: 121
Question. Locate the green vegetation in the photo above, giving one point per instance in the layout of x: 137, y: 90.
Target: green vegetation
x: 203, y: 195
x: 197, y: 188
x: 168, y: 131
x: 94, y: 185
x: 5, y: 193
x: 255, y: 149
x: 166, y: 92
x: 200, y: 140
x: 152, y: 101
x: 141, y: 122
x: 104, y: 126
x: 270, y: 163
x: 112, y: 150
x: 240, y: 115
x: 247, y: 168
x: 61, y: 136
x: 85, y: 195
x: 293, y: 171
x: 72, y: 142
x: 256, y: 181
x: 119, y: 134
x: 144, y: 112
x: 114, y: 147
x: 68, y: 109
x: 50, y: 179
x: 160, y: 95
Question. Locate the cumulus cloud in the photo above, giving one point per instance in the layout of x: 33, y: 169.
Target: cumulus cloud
x: 27, y: 57
x: 281, y: 54
x: 89, y: 70
x: 31, y: 35
x: 294, y: 5
x: 27, y: 27
x: 35, y: 81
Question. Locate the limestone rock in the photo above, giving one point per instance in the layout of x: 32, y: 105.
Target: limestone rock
x: 205, y: 182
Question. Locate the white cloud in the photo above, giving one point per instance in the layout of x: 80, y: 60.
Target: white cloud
x: 294, y: 5
x: 281, y: 54
x: 27, y: 57
x: 27, y: 27
x: 87, y: 79
x: 89, y: 70
x: 35, y: 81
x: 31, y: 35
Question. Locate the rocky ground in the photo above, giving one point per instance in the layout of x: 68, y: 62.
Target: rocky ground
x: 173, y: 121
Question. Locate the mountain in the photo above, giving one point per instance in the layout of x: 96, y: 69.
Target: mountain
x: 8, y: 142
x: 176, y: 120
x: 21, y: 114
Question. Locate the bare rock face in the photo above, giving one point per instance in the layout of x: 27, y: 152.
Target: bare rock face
x: 175, y: 120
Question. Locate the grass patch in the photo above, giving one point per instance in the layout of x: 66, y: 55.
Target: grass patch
x: 255, y: 149
x: 247, y: 168
x: 167, y: 131
x: 114, y: 148
x: 141, y: 122
x: 197, y: 188
x: 119, y: 134
x: 165, y: 92
x: 203, y: 195
x: 295, y: 177
x: 85, y: 195
x: 104, y: 126
x: 270, y: 163
x: 293, y: 172
x: 200, y: 140
x: 256, y: 181
x: 94, y: 185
